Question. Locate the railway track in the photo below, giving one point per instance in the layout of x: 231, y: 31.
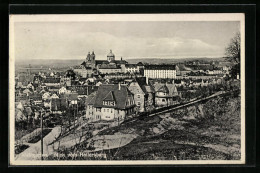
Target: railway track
x: 178, y: 106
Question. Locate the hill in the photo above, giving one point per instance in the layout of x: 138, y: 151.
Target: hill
x: 209, y: 131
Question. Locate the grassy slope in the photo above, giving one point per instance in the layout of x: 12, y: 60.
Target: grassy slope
x: 209, y: 131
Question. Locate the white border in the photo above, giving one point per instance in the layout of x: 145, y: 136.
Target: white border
x: 122, y: 17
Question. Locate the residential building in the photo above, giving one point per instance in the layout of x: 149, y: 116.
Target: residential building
x: 83, y: 70
x: 52, y: 82
x: 165, y: 94
x: 214, y: 72
x: 143, y: 93
x: 57, y: 105
x: 110, y: 103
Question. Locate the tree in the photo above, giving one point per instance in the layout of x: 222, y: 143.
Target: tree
x: 233, y: 54
x: 71, y: 74
x: 233, y: 49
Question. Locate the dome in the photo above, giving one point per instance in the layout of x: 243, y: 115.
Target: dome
x: 110, y: 54
x: 140, y: 64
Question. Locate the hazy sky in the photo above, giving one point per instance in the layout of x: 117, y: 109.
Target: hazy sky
x: 73, y: 40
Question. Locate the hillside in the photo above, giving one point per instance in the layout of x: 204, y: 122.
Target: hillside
x: 209, y: 131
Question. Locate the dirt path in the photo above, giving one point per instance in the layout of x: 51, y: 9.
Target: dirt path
x: 34, y: 151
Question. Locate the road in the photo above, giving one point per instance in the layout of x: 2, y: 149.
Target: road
x: 34, y: 150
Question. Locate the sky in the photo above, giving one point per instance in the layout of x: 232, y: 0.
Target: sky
x: 127, y: 39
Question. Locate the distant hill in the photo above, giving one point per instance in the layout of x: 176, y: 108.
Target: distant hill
x: 73, y: 62
x: 169, y: 60
x: 49, y: 62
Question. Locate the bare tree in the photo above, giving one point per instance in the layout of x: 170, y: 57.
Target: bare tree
x: 233, y: 54
x: 233, y: 49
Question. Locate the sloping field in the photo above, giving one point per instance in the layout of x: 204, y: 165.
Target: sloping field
x: 209, y: 131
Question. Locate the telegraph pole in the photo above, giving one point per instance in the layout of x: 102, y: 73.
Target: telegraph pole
x: 41, y: 137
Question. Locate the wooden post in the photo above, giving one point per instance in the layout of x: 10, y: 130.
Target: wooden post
x: 41, y: 137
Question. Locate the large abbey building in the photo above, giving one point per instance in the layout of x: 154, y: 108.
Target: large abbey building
x: 113, y: 66
x: 108, y: 66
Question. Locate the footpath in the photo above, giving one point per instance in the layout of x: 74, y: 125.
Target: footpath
x: 34, y: 150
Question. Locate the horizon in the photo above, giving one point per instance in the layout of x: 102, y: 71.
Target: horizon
x: 129, y: 58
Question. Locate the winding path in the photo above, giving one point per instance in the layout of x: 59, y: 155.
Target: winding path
x: 34, y: 150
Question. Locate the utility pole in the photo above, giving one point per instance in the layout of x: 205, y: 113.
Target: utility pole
x: 74, y: 117
x: 41, y: 137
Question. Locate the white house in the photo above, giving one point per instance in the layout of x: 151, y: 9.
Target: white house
x: 62, y: 90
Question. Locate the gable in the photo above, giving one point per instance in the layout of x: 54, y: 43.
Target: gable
x: 135, y: 88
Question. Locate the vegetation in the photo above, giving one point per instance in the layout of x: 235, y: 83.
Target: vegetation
x: 38, y: 136
x: 207, y: 131
x: 233, y: 54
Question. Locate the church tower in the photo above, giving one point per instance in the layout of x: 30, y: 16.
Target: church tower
x: 110, y: 56
x: 90, y: 60
x: 93, y: 61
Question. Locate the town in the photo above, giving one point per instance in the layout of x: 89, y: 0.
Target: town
x: 80, y: 101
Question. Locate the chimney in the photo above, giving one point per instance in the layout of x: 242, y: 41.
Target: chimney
x: 119, y: 86
x: 147, y: 80
x: 121, y: 58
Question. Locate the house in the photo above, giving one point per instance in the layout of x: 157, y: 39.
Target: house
x: 46, y: 96
x: 85, y: 90
x: 83, y: 70
x: 53, y: 89
x: 165, y: 94
x: 65, y: 81
x: 27, y: 91
x: 143, y: 93
x: 62, y: 90
x: 36, y: 98
x: 71, y: 98
x: 52, y: 84
x: 111, y: 102
x: 21, y: 97
x: 57, y: 105
x: 54, y: 96
x: 90, y: 100
x: 214, y: 72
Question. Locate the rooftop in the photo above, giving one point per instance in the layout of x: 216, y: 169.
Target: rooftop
x: 120, y: 95
x: 160, y: 67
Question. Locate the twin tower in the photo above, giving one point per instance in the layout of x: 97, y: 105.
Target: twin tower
x: 91, y: 57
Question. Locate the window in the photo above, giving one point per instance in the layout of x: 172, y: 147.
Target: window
x: 98, y: 109
x: 138, y: 103
x: 163, y: 100
x: 138, y: 96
